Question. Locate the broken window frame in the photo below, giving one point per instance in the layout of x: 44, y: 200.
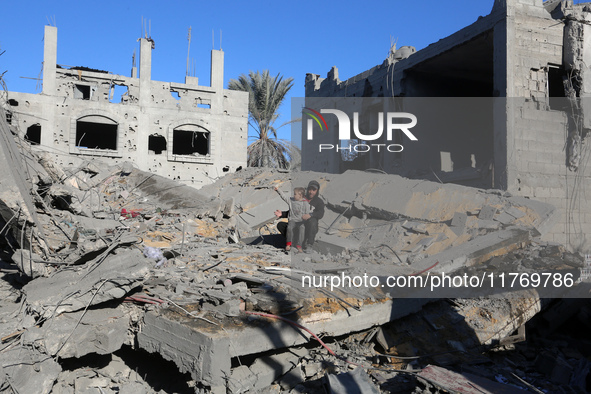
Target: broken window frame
x: 190, y: 126
x: 114, y: 91
x: 153, y: 141
x: 84, y: 91
x: 35, y: 129
x: 94, y: 117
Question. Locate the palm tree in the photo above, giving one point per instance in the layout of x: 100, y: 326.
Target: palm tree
x: 266, y: 94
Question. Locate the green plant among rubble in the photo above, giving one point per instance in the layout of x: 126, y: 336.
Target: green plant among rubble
x: 266, y: 94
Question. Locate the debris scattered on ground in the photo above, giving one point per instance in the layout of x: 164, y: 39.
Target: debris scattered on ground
x: 118, y: 280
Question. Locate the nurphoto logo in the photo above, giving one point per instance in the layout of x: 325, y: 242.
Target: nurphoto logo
x: 391, y: 119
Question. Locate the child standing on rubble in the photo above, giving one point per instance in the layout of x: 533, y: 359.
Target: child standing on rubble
x: 298, y: 206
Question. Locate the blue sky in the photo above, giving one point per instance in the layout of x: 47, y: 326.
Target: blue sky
x: 291, y: 38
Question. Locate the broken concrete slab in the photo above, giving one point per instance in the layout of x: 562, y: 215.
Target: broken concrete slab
x: 101, y: 226
x: 515, y: 212
x: 100, y: 331
x: 169, y: 194
x: 102, y: 279
x: 475, y: 251
x: 458, y: 223
x: 504, y: 218
x: 228, y: 207
x: 202, y: 351
x: 424, y: 200
x: 30, y: 264
x: 487, y: 213
x: 261, y: 214
x: 90, y: 174
x: 206, y: 351
x: 487, y: 224
x: 68, y: 198
x: 28, y: 371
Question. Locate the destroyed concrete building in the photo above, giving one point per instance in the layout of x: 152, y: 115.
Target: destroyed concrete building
x: 184, y: 131
x: 530, y: 56
x: 117, y: 279
x: 120, y: 280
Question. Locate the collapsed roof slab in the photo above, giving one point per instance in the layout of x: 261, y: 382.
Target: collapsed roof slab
x: 105, y: 278
x: 206, y: 350
x: 476, y: 251
x: 171, y: 194
x: 392, y: 197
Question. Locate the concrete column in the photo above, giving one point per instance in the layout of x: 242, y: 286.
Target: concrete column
x: 504, y: 68
x: 217, y: 69
x: 191, y: 80
x: 145, y: 71
x: 145, y: 102
x: 217, y: 122
x: 49, y: 60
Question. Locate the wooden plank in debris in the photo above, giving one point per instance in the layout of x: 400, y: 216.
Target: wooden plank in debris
x: 463, y: 383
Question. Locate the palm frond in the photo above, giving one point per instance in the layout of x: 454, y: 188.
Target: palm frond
x: 266, y: 94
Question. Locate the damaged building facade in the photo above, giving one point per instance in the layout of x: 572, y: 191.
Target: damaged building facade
x: 530, y: 58
x: 183, y: 131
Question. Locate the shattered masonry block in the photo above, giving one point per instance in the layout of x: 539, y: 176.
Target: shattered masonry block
x: 504, y: 218
x: 458, y: 223
x: 228, y: 207
x: 487, y: 213
x: 459, y: 219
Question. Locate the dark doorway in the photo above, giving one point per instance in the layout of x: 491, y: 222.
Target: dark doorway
x: 557, y: 77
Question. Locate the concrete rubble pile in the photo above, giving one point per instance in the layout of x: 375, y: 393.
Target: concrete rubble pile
x: 118, y: 280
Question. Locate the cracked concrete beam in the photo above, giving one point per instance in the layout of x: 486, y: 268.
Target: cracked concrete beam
x: 206, y: 350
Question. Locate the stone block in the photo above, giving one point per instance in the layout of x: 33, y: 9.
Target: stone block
x: 458, y: 223
x: 487, y: 213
